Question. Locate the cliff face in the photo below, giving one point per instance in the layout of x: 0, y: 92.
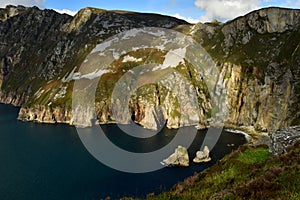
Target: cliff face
x: 40, y: 47
x: 258, y: 57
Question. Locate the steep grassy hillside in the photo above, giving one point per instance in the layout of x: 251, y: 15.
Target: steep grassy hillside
x: 248, y: 173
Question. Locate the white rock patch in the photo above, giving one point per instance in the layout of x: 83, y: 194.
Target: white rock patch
x: 103, y: 46
x: 77, y: 75
x: 69, y: 77
x: 172, y: 59
x: 175, y: 57
x: 61, y: 94
x: 131, y: 59
x: 95, y: 74
x: 39, y: 93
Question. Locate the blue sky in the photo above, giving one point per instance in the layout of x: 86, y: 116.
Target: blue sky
x: 191, y: 10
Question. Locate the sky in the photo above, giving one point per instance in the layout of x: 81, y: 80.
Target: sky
x: 192, y: 11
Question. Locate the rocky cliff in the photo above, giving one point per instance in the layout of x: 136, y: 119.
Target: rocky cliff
x: 258, y: 57
x: 261, y: 57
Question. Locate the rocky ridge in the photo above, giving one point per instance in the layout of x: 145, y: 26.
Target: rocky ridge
x: 258, y: 56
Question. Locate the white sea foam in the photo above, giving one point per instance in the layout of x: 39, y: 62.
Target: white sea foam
x: 247, y: 136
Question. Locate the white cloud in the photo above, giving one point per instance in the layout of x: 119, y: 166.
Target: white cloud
x: 28, y: 3
x: 268, y: 1
x: 226, y: 9
x: 66, y: 11
x: 290, y: 3
x: 229, y: 9
x: 188, y: 19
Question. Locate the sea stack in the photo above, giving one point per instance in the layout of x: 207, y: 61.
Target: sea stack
x: 202, y: 156
x: 179, y: 158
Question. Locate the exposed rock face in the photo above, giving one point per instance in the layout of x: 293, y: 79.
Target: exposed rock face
x: 12, y: 98
x: 258, y: 56
x: 264, y: 21
x: 259, y: 67
x: 274, y: 20
x: 179, y: 158
x: 284, y: 138
x: 261, y: 103
x: 46, y: 115
x: 41, y: 82
x: 202, y: 156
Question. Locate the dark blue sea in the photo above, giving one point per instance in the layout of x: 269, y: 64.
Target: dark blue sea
x: 49, y: 162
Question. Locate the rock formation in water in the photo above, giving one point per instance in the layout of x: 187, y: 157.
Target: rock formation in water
x: 202, y: 156
x: 179, y: 158
x: 258, y: 57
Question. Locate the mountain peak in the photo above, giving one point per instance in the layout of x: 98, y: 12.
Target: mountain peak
x: 269, y: 20
x: 10, y: 11
x: 118, y: 17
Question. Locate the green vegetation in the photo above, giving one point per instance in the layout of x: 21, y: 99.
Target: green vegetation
x: 212, y: 112
x: 62, y: 43
x: 215, y: 22
x: 227, y: 75
x: 185, y: 29
x: 248, y: 173
x: 253, y: 156
x: 107, y: 81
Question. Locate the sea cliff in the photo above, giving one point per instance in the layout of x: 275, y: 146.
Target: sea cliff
x: 258, y: 57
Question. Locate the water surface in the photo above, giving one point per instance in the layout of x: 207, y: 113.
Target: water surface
x: 49, y: 162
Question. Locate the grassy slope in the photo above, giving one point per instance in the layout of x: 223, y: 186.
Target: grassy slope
x: 248, y: 173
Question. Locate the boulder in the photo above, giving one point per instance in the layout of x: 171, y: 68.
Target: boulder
x: 179, y: 158
x: 202, y: 156
x: 284, y: 138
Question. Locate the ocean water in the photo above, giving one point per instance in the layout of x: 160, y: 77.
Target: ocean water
x: 49, y: 162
